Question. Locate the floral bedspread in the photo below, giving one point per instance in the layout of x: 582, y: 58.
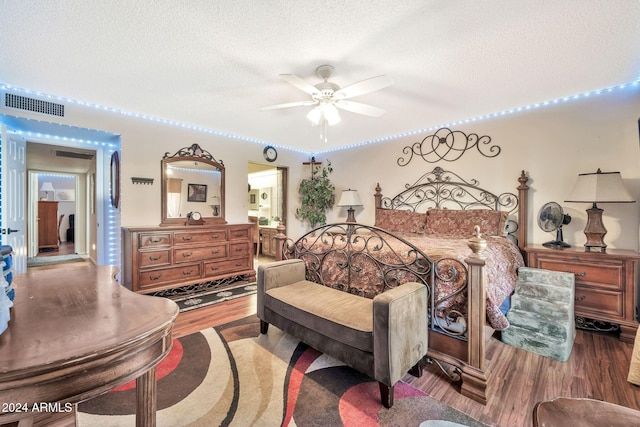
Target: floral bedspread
x: 503, y: 259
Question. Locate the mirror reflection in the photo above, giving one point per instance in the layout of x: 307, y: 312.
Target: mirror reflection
x: 192, y: 181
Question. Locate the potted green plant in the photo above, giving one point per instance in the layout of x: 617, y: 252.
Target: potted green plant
x: 317, y: 196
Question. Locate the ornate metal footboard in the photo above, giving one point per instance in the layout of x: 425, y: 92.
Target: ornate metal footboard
x: 367, y: 260
x: 359, y: 259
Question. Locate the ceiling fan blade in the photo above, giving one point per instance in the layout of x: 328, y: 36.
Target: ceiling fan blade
x: 359, y: 108
x: 300, y: 84
x: 287, y: 105
x: 364, y: 86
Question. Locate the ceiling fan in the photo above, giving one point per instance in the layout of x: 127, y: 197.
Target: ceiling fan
x: 328, y: 96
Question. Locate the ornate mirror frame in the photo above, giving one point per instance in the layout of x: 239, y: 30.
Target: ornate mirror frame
x: 196, y: 154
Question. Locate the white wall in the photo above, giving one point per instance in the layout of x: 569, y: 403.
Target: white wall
x: 553, y: 144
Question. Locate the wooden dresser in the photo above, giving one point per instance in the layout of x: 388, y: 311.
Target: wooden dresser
x: 605, y: 283
x: 159, y: 258
x: 47, y: 225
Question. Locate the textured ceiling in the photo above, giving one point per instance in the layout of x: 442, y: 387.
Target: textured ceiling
x: 214, y: 63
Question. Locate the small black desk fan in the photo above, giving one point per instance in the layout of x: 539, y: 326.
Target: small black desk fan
x: 551, y: 217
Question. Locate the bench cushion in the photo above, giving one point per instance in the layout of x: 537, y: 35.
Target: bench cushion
x: 342, y: 316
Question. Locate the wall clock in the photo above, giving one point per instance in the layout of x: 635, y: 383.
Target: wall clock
x: 270, y: 153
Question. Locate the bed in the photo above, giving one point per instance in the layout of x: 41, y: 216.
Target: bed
x: 435, y: 220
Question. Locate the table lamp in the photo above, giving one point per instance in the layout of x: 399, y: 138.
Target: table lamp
x: 46, y: 187
x: 350, y: 198
x: 598, y: 187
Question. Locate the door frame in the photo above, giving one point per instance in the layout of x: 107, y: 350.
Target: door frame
x: 80, y: 246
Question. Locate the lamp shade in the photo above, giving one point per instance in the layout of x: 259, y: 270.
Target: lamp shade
x: 600, y: 187
x: 47, y: 186
x: 349, y: 198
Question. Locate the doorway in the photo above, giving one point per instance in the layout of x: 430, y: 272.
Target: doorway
x: 53, y: 209
x: 267, y: 204
x: 101, y: 220
x: 57, y: 215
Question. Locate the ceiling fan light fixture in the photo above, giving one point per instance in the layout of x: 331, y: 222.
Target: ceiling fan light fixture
x: 330, y: 113
x: 315, y: 115
x: 327, y: 97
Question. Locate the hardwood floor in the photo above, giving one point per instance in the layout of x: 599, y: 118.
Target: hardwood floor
x: 65, y: 248
x: 597, y: 369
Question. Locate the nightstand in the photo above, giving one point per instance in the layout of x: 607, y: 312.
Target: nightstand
x: 605, y: 284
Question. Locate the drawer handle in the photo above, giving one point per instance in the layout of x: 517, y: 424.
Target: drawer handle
x: 575, y: 258
x: 581, y: 298
x: 215, y: 252
x: 584, y: 273
x: 239, y: 234
x: 152, y: 278
x: 155, y: 239
x: 155, y: 258
x: 239, y: 249
x: 214, y: 268
x: 215, y: 236
x: 187, y: 272
x: 186, y: 238
x: 186, y: 254
x: 239, y: 264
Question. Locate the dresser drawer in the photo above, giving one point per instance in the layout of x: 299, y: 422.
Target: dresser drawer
x: 201, y: 253
x: 239, y: 234
x: 599, y: 304
x: 603, y: 276
x: 216, y: 268
x: 150, y: 240
x: 197, y: 237
x: 153, y: 278
x: 153, y: 258
x: 239, y: 249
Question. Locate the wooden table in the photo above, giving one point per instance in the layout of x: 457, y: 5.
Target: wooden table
x: 74, y: 334
x: 565, y: 411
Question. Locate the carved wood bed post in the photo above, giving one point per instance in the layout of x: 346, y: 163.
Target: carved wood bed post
x: 378, y: 196
x: 280, y: 238
x: 474, y: 378
x: 523, y: 210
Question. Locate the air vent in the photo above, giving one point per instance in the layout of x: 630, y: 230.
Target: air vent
x: 73, y: 155
x: 31, y: 104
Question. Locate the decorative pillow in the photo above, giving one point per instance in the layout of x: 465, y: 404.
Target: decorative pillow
x: 459, y: 223
x: 401, y: 221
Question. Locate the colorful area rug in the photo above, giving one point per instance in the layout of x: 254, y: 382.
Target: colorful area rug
x: 233, y: 376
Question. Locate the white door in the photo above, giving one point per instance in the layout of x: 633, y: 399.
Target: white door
x: 14, y: 194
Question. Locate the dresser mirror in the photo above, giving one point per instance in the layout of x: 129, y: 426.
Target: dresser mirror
x: 192, y: 186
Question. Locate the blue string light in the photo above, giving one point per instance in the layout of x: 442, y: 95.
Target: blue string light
x: 201, y: 129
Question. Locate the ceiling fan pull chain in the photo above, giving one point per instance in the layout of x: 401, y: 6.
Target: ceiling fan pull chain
x: 324, y: 133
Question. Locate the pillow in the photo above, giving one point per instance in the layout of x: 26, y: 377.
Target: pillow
x: 460, y: 223
x: 402, y: 221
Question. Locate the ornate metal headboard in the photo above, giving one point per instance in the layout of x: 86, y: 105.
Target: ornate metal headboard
x: 441, y: 189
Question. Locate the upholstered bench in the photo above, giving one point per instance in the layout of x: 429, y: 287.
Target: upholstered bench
x: 383, y: 337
